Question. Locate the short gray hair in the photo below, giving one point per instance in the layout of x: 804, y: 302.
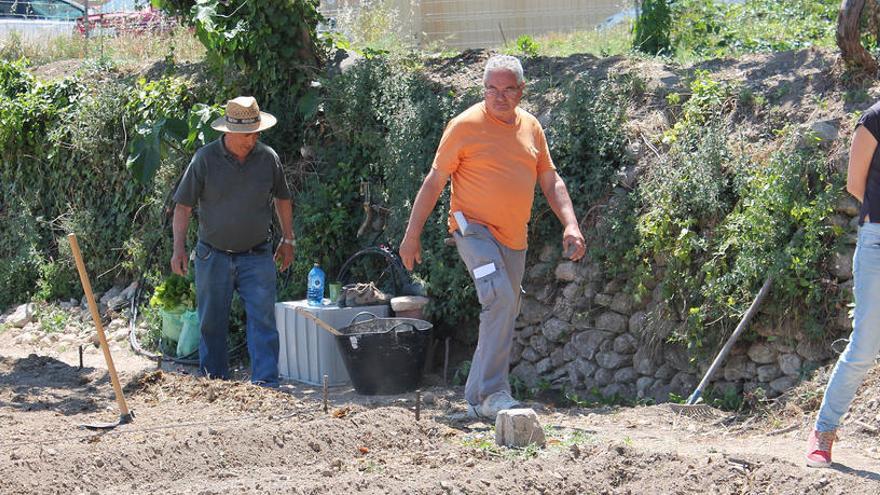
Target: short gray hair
x: 504, y: 62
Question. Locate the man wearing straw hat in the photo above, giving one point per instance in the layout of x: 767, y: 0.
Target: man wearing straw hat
x: 234, y: 181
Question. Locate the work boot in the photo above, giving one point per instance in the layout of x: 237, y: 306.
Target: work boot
x: 819, y: 449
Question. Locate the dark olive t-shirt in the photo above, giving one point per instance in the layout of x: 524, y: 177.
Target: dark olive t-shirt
x: 234, y: 199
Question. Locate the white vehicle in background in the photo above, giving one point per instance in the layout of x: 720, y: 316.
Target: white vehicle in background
x: 39, y: 18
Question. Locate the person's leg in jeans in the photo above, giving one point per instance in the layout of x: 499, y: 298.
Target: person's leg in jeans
x: 864, y: 342
x: 499, y: 295
x: 256, y: 286
x: 214, y: 285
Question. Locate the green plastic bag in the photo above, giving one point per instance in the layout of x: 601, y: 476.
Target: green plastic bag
x: 189, y: 334
x: 172, y: 324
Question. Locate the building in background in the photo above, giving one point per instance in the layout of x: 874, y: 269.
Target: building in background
x: 480, y: 23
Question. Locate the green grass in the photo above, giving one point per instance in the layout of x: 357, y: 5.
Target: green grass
x: 613, y: 41
x: 703, y: 30
x: 52, y: 319
x: 558, y: 438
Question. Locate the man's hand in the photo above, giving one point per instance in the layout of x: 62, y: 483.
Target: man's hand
x: 573, y: 244
x: 411, y: 251
x: 284, y: 256
x: 179, y: 262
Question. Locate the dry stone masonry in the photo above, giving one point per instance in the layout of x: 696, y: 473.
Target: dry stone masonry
x: 580, y: 330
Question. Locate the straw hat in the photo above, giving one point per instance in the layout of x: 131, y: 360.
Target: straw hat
x: 243, y: 115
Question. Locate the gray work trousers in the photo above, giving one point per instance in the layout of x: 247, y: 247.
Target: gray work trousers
x: 500, y: 293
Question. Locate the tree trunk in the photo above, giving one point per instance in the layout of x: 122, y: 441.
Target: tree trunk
x: 848, y: 38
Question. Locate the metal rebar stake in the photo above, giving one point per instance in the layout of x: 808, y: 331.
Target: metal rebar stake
x: 418, y: 403
x: 325, y: 393
x: 81, y: 356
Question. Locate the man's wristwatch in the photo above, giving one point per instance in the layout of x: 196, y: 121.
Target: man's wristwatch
x: 290, y: 241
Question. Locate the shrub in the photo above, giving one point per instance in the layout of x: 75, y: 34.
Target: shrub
x: 652, y: 27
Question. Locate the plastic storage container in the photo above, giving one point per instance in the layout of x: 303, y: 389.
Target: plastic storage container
x: 307, y: 351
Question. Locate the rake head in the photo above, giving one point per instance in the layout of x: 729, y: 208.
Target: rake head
x: 700, y: 411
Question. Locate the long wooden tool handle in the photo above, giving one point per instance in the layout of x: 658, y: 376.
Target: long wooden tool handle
x: 743, y: 323
x: 96, y: 316
x: 321, y: 323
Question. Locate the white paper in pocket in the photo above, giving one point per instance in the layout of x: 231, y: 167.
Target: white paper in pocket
x: 482, y: 271
x: 461, y: 221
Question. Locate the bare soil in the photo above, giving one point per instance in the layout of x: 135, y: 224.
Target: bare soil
x: 192, y: 435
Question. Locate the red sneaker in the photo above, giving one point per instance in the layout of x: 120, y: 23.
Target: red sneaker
x: 819, y: 450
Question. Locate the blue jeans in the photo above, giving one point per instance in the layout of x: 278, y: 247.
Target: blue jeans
x: 864, y: 343
x: 252, y: 274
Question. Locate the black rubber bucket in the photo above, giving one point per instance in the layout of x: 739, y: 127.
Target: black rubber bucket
x: 384, y: 355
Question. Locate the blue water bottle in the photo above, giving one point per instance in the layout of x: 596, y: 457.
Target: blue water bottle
x: 315, y: 291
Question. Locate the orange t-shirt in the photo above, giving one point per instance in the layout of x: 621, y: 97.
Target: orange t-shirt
x: 494, y: 168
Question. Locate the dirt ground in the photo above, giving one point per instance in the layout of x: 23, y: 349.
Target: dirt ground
x: 194, y: 436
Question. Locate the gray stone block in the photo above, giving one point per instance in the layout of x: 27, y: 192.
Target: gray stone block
x: 643, y: 361
x: 526, y: 372
x: 762, y: 353
x: 518, y: 428
x: 625, y: 375
x: 603, y: 377
x: 569, y: 352
x: 637, y: 322
x: 782, y: 384
x: 611, y: 321
x: 581, y: 321
x: 557, y: 357
x: 587, y: 343
x: 842, y: 263
x: 533, y: 311
x: 563, y: 309
x: 664, y: 372
x: 610, y: 360
x: 622, y: 303
x: 22, y: 315
x: 527, y: 332
x: 556, y: 330
x: 643, y: 384
x: 566, y: 271
x: 677, y: 357
x: 813, y: 351
x: 847, y: 205
x: 572, y: 291
x: 586, y: 369
x: 544, y: 366
x: 529, y: 354
x: 625, y: 343
x: 768, y: 372
x: 541, y: 345
x: 790, y: 364
x: 739, y: 368
x: 603, y: 300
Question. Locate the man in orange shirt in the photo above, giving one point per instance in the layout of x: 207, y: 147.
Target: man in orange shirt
x: 495, y: 152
